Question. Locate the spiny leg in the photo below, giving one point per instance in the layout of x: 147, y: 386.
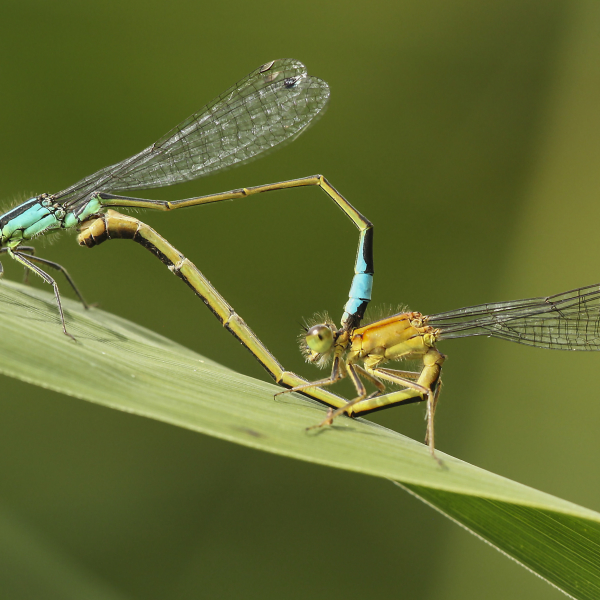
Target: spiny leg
x: 362, y: 283
x: 407, y: 374
x: 30, y: 251
x: 353, y: 373
x: 25, y: 250
x: 59, y: 267
x: 431, y: 406
x: 406, y: 396
x: 27, y: 263
x: 425, y: 391
x: 337, y: 373
x: 429, y: 380
x: 376, y: 382
x: 400, y: 378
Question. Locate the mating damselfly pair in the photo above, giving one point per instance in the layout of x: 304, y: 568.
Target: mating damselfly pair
x: 274, y: 104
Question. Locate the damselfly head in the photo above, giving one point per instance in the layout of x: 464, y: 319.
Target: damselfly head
x: 318, y: 339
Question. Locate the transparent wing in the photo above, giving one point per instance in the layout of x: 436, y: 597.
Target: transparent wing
x: 273, y: 104
x: 567, y: 321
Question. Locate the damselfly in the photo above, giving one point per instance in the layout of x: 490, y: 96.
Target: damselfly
x: 566, y: 321
x: 273, y: 104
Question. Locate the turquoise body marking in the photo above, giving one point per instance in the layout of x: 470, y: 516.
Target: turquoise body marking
x: 44, y: 223
x: 38, y: 215
x: 14, y: 222
x: 92, y: 207
x: 362, y: 286
x: 362, y: 283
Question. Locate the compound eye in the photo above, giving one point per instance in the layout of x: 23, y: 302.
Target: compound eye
x: 319, y: 338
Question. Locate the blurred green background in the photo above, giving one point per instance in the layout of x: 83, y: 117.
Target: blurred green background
x: 468, y: 132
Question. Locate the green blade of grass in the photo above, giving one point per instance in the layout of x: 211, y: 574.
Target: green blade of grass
x: 123, y: 366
